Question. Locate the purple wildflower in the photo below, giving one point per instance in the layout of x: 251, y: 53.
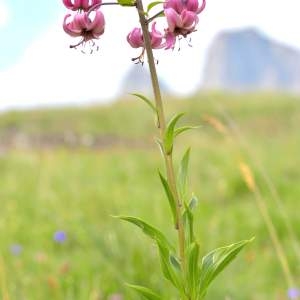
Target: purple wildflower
x: 16, y: 249
x: 293, y: 293
x: 60, y: 237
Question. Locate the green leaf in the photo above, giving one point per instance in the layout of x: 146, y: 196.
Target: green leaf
x: 170, y: 273
x: 215, y: 262
x: 182, y: 174
x: 162, y: 14
x: 153, y: 4
x: 126, y: 2
x: 170, y: 197
x: 193, y: 269
x: 146, y: 100
x: 145, y: 292
x: 149, y: 230
x: 183, y: 129
x: 169, y: 135
x: 188, y: 219
x: 175, y: 263
x: 164, y: 247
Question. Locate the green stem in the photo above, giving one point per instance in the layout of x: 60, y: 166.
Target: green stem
x: 162, y: 128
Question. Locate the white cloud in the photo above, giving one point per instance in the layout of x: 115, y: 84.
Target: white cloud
x: 4, y: 14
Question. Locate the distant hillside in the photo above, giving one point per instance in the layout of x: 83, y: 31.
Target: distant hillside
x: 131, y: 123
x: 247, y: 60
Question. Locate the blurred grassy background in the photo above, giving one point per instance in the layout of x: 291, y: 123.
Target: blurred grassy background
x: 71, y: 169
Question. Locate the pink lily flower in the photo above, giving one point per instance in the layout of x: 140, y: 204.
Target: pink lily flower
x: 136, y: 40
x: 181, y: 24
x: 83, y: 26
x: 182, y: 18
x: 84, y: 5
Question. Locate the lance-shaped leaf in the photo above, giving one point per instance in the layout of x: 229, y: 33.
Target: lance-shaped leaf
x: 182, y: 174
x: 170, y: 197
x: 188, y: 221
x: 193, y: 270
x: 145, y: 292
x: 170, y: 271
x: 182, y: 129
x: 146, y: 100
x: 215, y: 262
x: 149, y: 230
x: 164, y: 247
x: 169, y: 135
x: 175, y: 262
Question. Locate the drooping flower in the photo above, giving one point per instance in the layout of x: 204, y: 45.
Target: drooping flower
x: 60, y: 236
x: 181, y: 24
x: 84, y: 5
x: 136, y: 40
x: 182, y: 18
x: 82, y: 25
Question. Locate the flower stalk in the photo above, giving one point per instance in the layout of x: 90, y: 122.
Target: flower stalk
x: 162, y: 128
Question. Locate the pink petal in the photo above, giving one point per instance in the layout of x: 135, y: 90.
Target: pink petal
x: 177, y: 5
x: 192, y: 5
x: 201, y: 8
x: 98, y: 24
x: 68, y: 4
x: 189, y: 19
x: 84, y: 4
x: 81, y: 21
x: 173, y: 19
x: 170, y: 40
x: 156, y: 37
x: 68, y: 28
x: 135, y: 38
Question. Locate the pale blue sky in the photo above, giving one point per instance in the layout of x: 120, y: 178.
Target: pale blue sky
x: 24, y: 23
x: 38, y: 68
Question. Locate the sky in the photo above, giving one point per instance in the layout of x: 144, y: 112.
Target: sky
x: 38, y: 68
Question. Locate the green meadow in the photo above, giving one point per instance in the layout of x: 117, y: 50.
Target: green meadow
x: 73, y: 169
